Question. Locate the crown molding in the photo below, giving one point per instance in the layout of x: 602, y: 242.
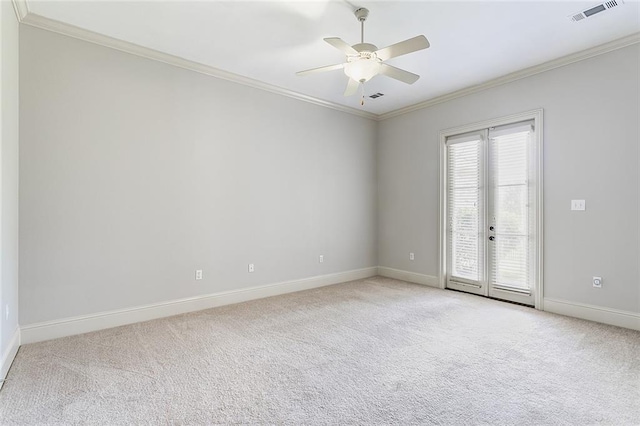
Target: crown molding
x: 26, y: 17
x: 145, y: 52
x: 21, y: 9
x: 527, y: 72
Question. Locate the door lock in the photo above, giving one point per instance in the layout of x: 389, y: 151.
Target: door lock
x: 492, y: 228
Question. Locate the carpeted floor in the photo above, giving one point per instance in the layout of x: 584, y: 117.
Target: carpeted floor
x: 375, y: 351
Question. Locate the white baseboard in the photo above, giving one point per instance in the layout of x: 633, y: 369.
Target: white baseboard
x: 412, y: 277
x: 84, y: 324
x: 9, y: 355
x: 625, y: 319
x: 601, y: 314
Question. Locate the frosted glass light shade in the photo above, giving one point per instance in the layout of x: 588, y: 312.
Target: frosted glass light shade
x: 362, y: 69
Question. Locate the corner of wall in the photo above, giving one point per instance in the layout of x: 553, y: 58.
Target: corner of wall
x: 9, y: 76
x: 9, y: 355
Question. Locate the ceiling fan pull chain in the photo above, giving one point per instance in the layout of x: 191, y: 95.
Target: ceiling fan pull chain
x: 362, y: 93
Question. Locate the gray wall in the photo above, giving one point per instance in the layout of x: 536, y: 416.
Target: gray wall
x: 591, y: 138
x: 9, y: 175
x: 135, y: 173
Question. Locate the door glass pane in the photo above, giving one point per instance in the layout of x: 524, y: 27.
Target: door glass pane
x: 464, y: 209
x: 509, y: 170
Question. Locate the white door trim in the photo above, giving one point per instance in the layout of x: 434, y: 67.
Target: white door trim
x: 537, y: 116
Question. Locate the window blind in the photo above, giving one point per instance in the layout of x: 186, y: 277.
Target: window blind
x: 464, y: 208
x: 510, y: 253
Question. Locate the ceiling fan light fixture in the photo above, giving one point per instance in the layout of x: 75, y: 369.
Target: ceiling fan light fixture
x: 364, y: 60
x: 362, y: 69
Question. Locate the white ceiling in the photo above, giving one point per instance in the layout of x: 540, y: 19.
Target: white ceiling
x: 471, y: 42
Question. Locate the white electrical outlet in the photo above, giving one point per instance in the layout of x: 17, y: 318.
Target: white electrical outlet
x: 412, y: 256
x: 251, y: 267
x: 321, y: 258
x: 198, y: 274
x: 597, y: 282
x: 578, y: 205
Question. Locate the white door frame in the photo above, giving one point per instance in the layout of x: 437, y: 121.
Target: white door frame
x: 535, y: 115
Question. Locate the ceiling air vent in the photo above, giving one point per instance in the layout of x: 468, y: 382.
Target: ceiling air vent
x: 376, y: 95
x: 576, y: 17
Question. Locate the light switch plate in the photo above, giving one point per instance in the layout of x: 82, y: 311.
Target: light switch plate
x: 578, y: 205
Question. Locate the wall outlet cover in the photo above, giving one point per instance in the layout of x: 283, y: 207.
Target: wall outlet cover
x: 579, y: 205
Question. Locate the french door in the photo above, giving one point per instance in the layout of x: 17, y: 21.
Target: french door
x: 491, y: 209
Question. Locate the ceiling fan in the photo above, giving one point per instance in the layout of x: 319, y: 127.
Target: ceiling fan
x: 365, y: 60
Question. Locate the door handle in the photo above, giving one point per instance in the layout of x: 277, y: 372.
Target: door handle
x: 492, y: 228
x: 491, y: 238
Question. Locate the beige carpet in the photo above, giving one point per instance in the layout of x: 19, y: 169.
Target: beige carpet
x: 376, y: 351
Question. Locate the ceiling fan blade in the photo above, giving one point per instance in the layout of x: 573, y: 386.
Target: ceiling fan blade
x: 352, y: 87
x: 398, y: 74
x: 342, y: 45
x: 321, y: 69
x: 411, y: 45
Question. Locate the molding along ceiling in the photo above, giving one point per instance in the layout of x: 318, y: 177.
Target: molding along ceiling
x: 26, y: 16
x: 518, y: 75
x: 80, y: 33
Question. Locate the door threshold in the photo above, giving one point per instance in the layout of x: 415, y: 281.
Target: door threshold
x: 491, y: 298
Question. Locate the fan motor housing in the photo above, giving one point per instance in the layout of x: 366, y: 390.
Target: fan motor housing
x: 365, y: 47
